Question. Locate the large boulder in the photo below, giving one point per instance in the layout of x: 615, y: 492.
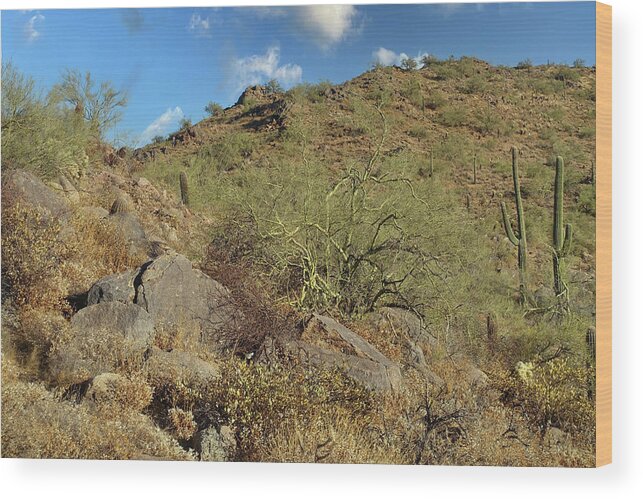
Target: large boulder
x: 29, y: 189
x: 102, y: 337
x: 344, y: 350
x: 131, y: 322
x: 132, y: 230
x: 176, y: 295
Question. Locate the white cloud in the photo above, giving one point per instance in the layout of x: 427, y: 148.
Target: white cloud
x: 199, y: 26
x: 326, y: 25
x: 30, y: 27
x: 257, y: 69
x: 387, y: 57
x: 162, y: 125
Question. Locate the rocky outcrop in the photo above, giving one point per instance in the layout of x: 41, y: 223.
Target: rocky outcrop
x: 174, y: 294
x: 30, y: 190
x: 102, y: 336
x: 213, y: 445
x: 132, y: 231
x: 415, y: 339
x: 347, y: 351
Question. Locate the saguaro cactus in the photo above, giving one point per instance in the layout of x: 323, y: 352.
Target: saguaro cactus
x: 183, y: 182
x: 520, y: 239
x: 562, y: 237
x: 475, y: 169
x: 431, y: 163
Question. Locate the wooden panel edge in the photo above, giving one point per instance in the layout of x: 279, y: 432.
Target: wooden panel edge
x: 603, y: 234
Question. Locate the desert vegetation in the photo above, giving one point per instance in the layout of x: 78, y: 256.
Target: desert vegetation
x: 396, y: 269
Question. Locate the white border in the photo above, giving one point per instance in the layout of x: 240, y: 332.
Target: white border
x: 69, y: 479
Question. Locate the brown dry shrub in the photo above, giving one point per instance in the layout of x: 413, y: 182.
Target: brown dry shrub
x: 331, y: 438
x: 44, y: 261
x: 117, y: 394
x: 182, y: 423
x: 35, y: 260
x: 553, y: 393
x: 36, y: 424
x: 258, y: 401
x: 226, y: 262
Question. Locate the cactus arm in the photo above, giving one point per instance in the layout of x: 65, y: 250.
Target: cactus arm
x: 507, y: 224
x: 522, y: 232
x: 183, y: 183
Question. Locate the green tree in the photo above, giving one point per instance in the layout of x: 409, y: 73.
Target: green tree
x: 100, y: 105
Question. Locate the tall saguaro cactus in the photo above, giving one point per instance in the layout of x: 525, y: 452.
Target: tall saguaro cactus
x: 562, y: 237
x: 520, y: 239
x: 431, y: 164
x: 183, y: 182
x: 475, y: 169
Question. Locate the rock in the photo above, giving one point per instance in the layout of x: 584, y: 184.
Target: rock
x: 415, y: 336
x: 179, y: 367
x: 371, y: 374
x: 130, y: 321
x: 213, y: 445
x: 143, y: 182
x: 96, y: 212
x: 175, y: 294
x: 102, y: 336
x: 113, y: 288
x: 132, y: 231
x: 358, y: 359
x: 31, y: 190
x: 71, y: 193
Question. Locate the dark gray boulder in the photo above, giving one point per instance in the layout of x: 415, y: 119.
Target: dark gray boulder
x: 116, y: 287
x: 176, y: 295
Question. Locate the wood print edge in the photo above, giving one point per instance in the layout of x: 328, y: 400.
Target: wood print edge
x: 603, y: 234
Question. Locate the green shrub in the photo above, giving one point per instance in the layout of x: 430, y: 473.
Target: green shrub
x: 37, y: 134
x: 453, y: 116
x: 213, y: 109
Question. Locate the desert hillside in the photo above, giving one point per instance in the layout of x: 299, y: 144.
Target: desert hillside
x: 321, y: 274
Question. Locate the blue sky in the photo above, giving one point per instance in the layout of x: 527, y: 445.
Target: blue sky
x: 173, y: 61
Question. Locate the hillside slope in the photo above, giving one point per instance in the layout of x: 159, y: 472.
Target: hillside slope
x: 347, y: 294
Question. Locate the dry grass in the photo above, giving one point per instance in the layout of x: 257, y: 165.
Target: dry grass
x: 37, y: 424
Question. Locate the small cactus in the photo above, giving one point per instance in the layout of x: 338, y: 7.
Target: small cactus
x: 520, y: 239
x: 183, y: 182
x: 120, y: 205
